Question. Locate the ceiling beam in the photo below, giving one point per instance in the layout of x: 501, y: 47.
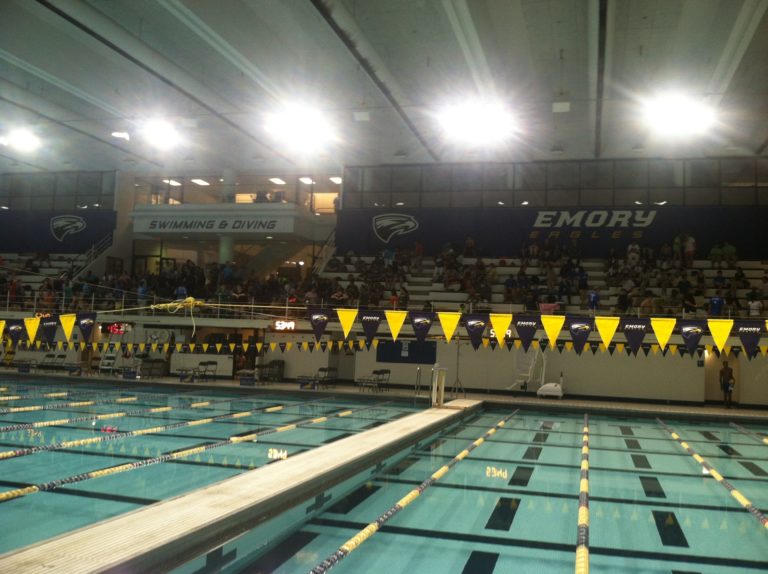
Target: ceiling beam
x: 599, y: 75
x: 466, y: 34
x: 348, y: 32
x: 116, y: 38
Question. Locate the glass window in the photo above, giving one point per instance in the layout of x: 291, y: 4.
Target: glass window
x: 737, y: 172
x: 66, y: 184
x: 531, y: 176
x: 41, y: 184
x: 376, y: 200
x: 404, y: 199
x: 406, y: 178
x: 377, y: 178
x: 497, y: 198
x: 665, y: 173
x: 597, y: 175
x: 631, y: 174
x: 351, y: 179
x: 563, y: 175
x: 466, y: 199
x: 64, y: 202
x: 562, y: 197
x: 498, y: 176
x: 436, y: 199
x: 351, y: 200
x: 436, y: 178
x: 630, y: 197
x: 701, y: 173
x: 738, y: 196
x: 89, y: 183
x: 596, y: 197
x: 702, y: 196
x: 467, y: 177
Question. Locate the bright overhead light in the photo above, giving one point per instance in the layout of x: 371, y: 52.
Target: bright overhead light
x: 277, y: 181
x: 500, y: 202
x: 400, y: 204
x: 637, y: 202
x: 96, y: 205
x: 4, y: 207
x: 200, y: 182
x: 524, y: 202
x: 660, y: 202
x: 160, y: 134
x: 269, y: 237
x: 301, y: 263
x: 3, y: 140
x: 307, y: 180
x: 479, y: 123
x: 22, y: 140
x: 172, y: 182
x: 676, y: 115
x: 305, y: 129
x: 122, y: 136
x: 336, y: 180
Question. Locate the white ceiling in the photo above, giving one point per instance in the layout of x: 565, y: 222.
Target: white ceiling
x: 76, y: 70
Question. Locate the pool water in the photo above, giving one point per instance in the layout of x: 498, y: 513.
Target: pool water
x: 42, y: 515
x: 511, y: 506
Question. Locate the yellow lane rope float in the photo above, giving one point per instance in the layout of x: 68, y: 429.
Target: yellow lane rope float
x: 582, y: 535
x: 353, y: 543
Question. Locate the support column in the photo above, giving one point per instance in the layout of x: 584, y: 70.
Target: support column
x: 226, y: 248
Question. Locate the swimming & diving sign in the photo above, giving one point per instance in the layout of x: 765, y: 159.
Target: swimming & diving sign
x: 212, y: 224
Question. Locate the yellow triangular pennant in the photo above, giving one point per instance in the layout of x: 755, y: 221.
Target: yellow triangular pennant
x: 607, y: 326
x: 350, y: 345
x: 205, y: 347
x: 518, y: 344
x: 552, y: 324
x: 720, y: 329
x: 395, y: 320
x: 655, y: 349
x: 708, y: 348
x: 272, y: 346
x: 602, y: 348
x: 192, y: 347
x: 82, y: 345
x: 218, y: 347
x: 246, y: 345
x: 673, y: 349
x: 486, y: 341
x: 663, y: 328
x: 232, y: 347
x: 37, y: 344
x: 375, y: 343
x: 153, y: 347
x: 259, y: 347
x: 2, y: 327
x: 142, y: 347
x: 727, y: 350
x: 289, y: 345
x: 166, y: 346
x: 95, y: 346
x: 59, y: 345
x: 569, y: 345
x: 764, y: 350
x: 535, y: 344
x: 340, y: 345
x: 620, y: 347
x: 178, y: 347
x: 347, y: 319
x: 361, y: 344
x: 305, y: 346
x: 449, y: 320
x: 32, y: 323
x: 67, y: 323
x: 500, y: 323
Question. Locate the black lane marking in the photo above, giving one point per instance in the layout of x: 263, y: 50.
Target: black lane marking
x: 753, y: 468
x: 541, y: 437
x: 708, y: 435
x: 684, y: 572
x: 521, y: 476
x: 566, y: 496
x: 480, y: 563
x: 633, y: 444
x: 729, y: 450
x: 503, y: 514
x: 532, y: 453
x: 436, y: 444
x: 341, y: 436
x: 669, y: 528
x: 354, y: 498
x: 652, y: 487
x: 555, y: 546
x: 402, y: 466
x: 627, y: 431
x: 280, y: 554
x: 641, y: 461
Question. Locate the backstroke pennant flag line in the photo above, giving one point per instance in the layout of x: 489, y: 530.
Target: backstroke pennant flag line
x: 662, y: 328
x: 395, y: 320
x: 720, y: 329
x: 607, y: 326
x: 552, y: 324
x: 449, y: 320
x: 500, y: 323
x: 347, y: 319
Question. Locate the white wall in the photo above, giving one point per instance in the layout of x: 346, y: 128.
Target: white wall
x: 752, y: 381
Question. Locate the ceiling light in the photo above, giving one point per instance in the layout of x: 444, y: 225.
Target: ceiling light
x: 399, y: 204
x: 336, y: 180
x: 4, y: 207
x: 277, y: 181
x: 303, y: 128
x: 638, y: 202
x: 200, y: 182
x: 221, y: 180
x: 480, y: 123
x: 172, y: 182
x: 22, y: 140
x: 675, y: 115
x: 301, y: 263
x: 660, y: 202
x: 122, y: 136
x: 160, y: 134
x: 96, y: 205
x: 307, y: 180
x: 3, y: 140
x: 269, y: 237
x: 500, y: 202
x: 524, y: 202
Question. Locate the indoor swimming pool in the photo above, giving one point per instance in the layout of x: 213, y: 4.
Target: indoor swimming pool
x: 509, y: 505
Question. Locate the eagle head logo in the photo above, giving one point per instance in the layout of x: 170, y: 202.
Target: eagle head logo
x: 389, y: 225
x: 692, y: 331
x: 63, y: 225
x: 422, y: 322
x: 318, y: 318
x: 580, y: 327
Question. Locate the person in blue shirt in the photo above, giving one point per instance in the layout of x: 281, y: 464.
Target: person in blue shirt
x: 593, y: 299
x: 716, y: 304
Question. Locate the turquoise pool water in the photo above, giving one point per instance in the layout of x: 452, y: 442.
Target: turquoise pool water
x: 511, y: 506
x: 40, y: 515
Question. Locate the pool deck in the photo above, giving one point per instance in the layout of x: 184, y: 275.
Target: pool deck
x: 169, y: 533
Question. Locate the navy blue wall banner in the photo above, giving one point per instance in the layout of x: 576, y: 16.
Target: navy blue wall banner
x: 691, y: 332
x: 476, y: 324
x: 634, y: 330
x: 318, y: 318
x: 407, y: 352
x: 526, y: 326
x: 54, y: 231
x: 421, y: 321
x: 370, y: 320
x: 580, y: 328
x: 86, y: 321
x: 48, y: 327
x: 501, y: 232
x: 749, y: 332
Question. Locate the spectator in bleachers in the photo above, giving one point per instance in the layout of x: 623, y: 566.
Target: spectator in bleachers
x: 720, y: 282
x: 716, y: 304
x: 740, y: 280
x: 623, y: 302
x: 754, y: 305
x: 470, y: 247
x: 593, y: 299
x: 689, y: 303
x: 689, y: 249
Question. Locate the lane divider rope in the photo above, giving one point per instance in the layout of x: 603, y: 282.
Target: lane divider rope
x: 748, y: 432
x: 740, y: 498
x: 582, y: 533
x: 173, y: 455
x: 353, y: 543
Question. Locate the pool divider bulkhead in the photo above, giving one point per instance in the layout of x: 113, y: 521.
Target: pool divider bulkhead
x: 353, y: 543
x: 750, y: 433
x: 740, y: 498
x: 582, y: 533
x: 183, y: 453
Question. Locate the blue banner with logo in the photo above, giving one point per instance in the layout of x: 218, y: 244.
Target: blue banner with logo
x: 370, y: 320
x: 749, y: 332
x: 476, y: 323
x: 48, y: 327
x: 318, y: 318
x: 580, y: 328
x: 86, y: 322
x: 634, y: 329
x: 691, y: 331
x: 54, y: 231
x: 526, y: 326
x: 421, y: 321
x: 501, y: 232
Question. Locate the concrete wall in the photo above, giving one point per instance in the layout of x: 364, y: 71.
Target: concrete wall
x: 752, y: 381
